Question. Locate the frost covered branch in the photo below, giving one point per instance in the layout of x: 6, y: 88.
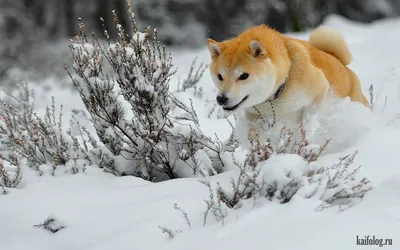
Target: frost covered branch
x: 192, y: 79
x: 10, y: 177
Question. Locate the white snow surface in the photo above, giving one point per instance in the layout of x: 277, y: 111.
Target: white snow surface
x: 100, y: 211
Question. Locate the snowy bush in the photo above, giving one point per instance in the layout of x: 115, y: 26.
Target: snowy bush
x: 43, y: 141
x: 278, y: 173
x: 144, y: 130
x: 147, y: 130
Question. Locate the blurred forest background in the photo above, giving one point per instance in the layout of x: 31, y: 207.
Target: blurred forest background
x: 27, y: 26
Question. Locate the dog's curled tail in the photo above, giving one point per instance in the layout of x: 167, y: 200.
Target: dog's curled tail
x: 331, y: 41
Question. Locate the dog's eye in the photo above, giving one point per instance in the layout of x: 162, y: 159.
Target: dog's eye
x: 243, y: 76
x: 220, y: 77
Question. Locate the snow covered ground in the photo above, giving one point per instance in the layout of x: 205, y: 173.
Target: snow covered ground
x: 100, y: 211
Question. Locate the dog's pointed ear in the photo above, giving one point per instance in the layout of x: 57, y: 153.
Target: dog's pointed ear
x: 214, y: 48
x: 256, y: 49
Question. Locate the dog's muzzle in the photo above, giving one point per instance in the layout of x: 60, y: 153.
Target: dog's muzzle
x: 232, y: 108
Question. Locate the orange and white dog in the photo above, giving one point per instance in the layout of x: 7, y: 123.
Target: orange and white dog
x: 261, y: 67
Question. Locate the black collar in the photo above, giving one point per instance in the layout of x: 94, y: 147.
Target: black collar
x: 277, y: 93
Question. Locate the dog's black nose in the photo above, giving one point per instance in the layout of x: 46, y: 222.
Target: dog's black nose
x: 222, y: 99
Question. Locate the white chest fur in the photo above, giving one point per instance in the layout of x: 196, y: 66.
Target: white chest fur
x: 286, y: 106
x: 286, y: 111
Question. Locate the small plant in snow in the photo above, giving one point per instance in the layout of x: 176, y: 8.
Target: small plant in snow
x: 51, y: 224
x: 215, y: 204
x: 171, y: 233
x: 184, y: 214
x: 279, y: 173
x: 193, y: 79
x: 341, y: 184
x: 133, y: 111
x: 289, y: 145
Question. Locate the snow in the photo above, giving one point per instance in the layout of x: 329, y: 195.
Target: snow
x: 100, y: 211
x: 139, y: 37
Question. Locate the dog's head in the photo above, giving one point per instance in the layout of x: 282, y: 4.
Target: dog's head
x: 242, y: 71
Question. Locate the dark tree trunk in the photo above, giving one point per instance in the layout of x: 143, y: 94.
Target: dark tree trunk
x: 122, y: 12
x: 104, y: 11
x: 36, y: 9
x: 70, y: 20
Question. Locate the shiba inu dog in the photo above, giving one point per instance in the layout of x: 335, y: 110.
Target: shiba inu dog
x: 263, y: 73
